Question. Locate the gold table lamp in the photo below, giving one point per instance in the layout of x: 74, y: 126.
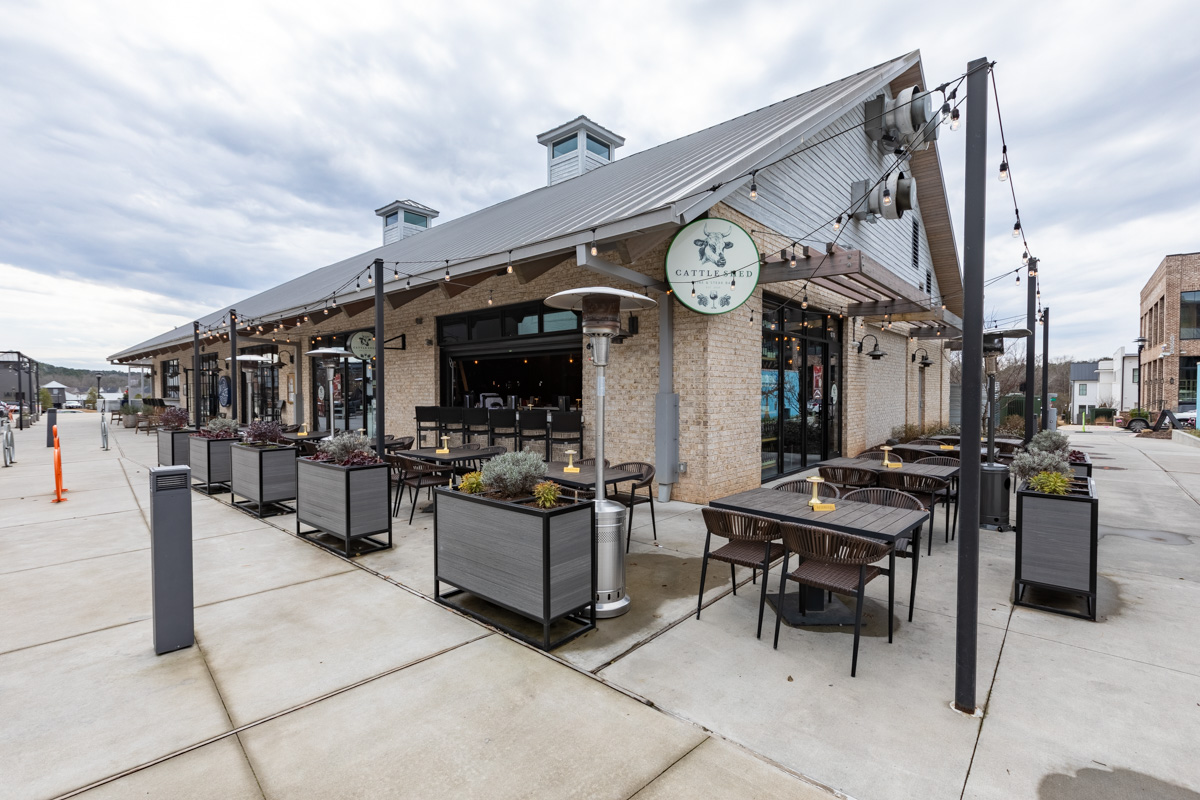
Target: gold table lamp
x: 570, y: 467
x: 886, y: 462
x: 816, y: 504
x: 445, y: 448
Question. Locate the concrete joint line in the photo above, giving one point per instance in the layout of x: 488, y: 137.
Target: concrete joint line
x: 266, y: 719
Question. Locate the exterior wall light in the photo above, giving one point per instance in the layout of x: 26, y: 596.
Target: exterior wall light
x: 874, y: 353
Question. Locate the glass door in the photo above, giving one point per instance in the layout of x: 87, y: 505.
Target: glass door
x: 769, y: 411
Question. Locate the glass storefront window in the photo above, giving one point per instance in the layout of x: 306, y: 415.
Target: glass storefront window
x: 350, y: 395
x: 559, y: 321
x: 1189, y: 315
x: 1187, y: 381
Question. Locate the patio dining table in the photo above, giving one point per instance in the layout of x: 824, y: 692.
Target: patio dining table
x: 586, y: 477
x: 861, y: 519
x: 933, y: 470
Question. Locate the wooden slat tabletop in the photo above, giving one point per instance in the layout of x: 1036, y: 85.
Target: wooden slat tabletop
x: 586, y: 477
x: 455, y: 454
x: 877, y: 466
x: 864, y: 519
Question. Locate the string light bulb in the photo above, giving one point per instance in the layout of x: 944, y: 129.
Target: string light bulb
x: 887, y: 196
x: 693, y: 290
x: 595, y: 250
x: 837, y: 224
x: 955, y: 119
x: 447, y: 275
x: 509, y: 270
x: 753, y: 186
x: 1025, y: 259
x: 489, y: 297
x: 792, y: 262
x: 804, y: 302
x: 1017, y: 229
x: 1018, y: 279
x: 732, y: 281
x: 357, y: 285
x: 1004, y: 163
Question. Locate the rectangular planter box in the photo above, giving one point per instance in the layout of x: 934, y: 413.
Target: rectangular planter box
x: 1056, y: 544
x: 173, y: 447
x: 210, y: 463
x: 265, y: 475
x: 1082, y: 469
x: 349, y: 503
x: 539, y: 563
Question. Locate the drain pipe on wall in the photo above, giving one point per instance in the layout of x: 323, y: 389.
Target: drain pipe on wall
x: 666, y: 403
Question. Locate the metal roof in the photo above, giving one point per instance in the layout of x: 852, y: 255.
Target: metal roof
x: 672, y: 183
x: 1084, y: 370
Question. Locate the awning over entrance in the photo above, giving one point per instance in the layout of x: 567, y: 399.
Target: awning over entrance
x: 873, y: 290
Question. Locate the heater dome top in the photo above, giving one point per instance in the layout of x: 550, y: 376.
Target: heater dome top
x: 330, y: 352
x: 573, y: 298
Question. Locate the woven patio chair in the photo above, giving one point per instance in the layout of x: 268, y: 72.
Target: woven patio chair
x: 929, y: 490
x: 947, y: 461
x: 906, y: 547
x: 836, y: 562
x: 751, y: 544
x: 848, y: 477
x: 633, y: 498
x: 877, y: 455
x: 416, y: 475
x: 802, y: 486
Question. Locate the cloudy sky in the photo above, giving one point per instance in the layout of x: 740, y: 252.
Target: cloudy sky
x: 163, y: 159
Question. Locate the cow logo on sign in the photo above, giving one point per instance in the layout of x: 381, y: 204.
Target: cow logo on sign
x: 712, y: 266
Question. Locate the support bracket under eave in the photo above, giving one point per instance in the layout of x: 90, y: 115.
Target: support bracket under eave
x: 585, y: 259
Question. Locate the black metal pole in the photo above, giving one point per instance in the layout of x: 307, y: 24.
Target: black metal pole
x: 1046, y: 368
x: 26, y: 400
x: 1139, y: 380
x: 974, y: 235
x: 37, y: 371
x: 379, y: 337
x: 1030, y: 346
x: 234, y: 377
x: 194, y: 386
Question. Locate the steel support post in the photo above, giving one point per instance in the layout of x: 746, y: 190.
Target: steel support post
x: 974, y: 237
x: 234, y: 371
x: 1046, y: 368
x: 194, y: 386
x: 379, y: 339
x: 1030, y: 346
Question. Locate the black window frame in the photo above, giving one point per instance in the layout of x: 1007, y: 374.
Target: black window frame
x: 170, y: 379
x: 469, y: 321
x: 590, y: 140
x: 573, y: 140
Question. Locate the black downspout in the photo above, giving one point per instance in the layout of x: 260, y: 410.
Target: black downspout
x: 194, y: 387
x: 1046, y: 368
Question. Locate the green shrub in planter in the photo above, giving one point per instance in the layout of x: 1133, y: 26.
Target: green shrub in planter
x: 514, y: 474
x: 1049, y: 483
x: 1025, y: 465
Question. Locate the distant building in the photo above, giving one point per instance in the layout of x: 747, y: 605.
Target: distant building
x: 1170, y: 321
x: 58, y: 393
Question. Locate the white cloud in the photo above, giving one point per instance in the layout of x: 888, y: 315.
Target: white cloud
x: 205, y: 152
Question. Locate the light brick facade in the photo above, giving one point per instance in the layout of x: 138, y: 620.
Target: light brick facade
x: 717, y: 371
x: 1160, y: 324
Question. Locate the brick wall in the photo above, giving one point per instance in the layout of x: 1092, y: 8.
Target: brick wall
x: 1159, y: 321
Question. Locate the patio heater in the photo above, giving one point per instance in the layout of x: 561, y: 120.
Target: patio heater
x: 994, y: 478
x: 249, y: 363
x: 601, y: 308
x: 330, y: 356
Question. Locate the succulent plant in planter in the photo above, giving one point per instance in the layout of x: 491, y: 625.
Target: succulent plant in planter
x: 173, y: 419
x: 218, y: 428
x: 264, y: 432
x: 1049, y: 483
x: 346, y: 450
x: 545, y: 494
x: 472, y: 483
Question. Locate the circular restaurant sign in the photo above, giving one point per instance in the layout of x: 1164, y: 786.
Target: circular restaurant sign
x: 712, y: 266
x: 362, y: 344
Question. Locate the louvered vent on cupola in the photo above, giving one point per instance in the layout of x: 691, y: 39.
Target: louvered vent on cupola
x: 577, y: 147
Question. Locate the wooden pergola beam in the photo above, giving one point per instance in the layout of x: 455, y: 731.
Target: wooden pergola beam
x: 397, y: 299
x: 531, y: 270
x: 461, y: 283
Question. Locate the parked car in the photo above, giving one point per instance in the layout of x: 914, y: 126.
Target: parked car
x: 1135, y: 424
x: 75, y: 404
x: 1186, y: 418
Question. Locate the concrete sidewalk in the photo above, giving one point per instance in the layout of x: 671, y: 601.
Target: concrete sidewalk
x: 317, y: 677
x: 310, y: 677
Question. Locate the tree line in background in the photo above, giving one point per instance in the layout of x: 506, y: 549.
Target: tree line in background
x: 1010, y: 379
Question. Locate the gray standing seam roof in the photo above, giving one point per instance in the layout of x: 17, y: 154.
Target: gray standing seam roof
x: 1084, y: 370
x: 685, y: 169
